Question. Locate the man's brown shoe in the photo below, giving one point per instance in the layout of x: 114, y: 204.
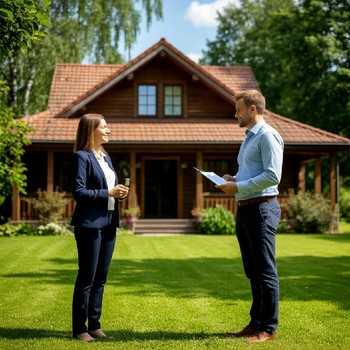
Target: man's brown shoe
x: 260, y: 337
x: 247, y: 331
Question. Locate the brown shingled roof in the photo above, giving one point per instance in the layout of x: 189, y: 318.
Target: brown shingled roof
x: 133, y: 131
x: 74, y: 84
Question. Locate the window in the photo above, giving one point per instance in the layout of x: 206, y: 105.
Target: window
x: 147, y: 100
x: 173, y: 101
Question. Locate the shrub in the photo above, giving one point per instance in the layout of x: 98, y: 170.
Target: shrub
x: 49, y: 205
x: 217, y: 221
x: 344, y: 204
x: 309, y: 213
x: 11, y: 230
x: 53, y: 229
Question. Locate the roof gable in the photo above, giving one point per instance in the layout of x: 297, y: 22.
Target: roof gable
x: 75, y: 85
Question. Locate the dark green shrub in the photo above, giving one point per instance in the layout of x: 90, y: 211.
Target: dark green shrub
x: 309, y: 213
x: 283, y: 227
x: 344, y: 204
x: 217, y: 221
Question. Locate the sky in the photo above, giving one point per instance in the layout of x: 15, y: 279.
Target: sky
x: 186, y: 24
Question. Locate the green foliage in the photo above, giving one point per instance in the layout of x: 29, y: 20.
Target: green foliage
x: 217, y: 221
x: 12, y: 141
x: 309, y: 213
x: 21, y: 23
x: 50, y: 206
x: 11, y: 230
x: 344, y: 204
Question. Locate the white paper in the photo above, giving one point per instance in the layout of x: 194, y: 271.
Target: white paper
x: 218, y: 180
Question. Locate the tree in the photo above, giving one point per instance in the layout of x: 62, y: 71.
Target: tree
x: 299, y: 52
x: 20, y: 25
x: 81, y: 31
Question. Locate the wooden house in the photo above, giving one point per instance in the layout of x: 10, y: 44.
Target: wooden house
x: 167, y: 114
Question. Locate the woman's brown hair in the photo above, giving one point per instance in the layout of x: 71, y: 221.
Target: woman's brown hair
x: 88, y: 123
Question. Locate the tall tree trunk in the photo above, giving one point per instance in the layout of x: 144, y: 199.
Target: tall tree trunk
x: 13, y: 83
x: 28, y: 90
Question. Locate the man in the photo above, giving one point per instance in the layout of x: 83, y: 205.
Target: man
x: 255, y: 187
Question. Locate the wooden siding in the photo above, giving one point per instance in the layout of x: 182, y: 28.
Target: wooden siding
x: 198, y: 100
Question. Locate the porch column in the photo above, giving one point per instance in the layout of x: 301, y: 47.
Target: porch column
x: 333, y: 179
x: 301, y: 177
x: 16, y: 204
x: 318, y: 175
x: 49, y: 179
x: 199, y: 181
x: 132, y: 198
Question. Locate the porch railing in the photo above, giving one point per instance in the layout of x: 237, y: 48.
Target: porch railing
x: 28, y: 213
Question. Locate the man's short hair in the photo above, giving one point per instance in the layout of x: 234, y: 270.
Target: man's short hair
x: 252, y: 97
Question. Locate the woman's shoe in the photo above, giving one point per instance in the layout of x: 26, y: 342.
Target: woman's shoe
x: 84, y: 337
x: 98, y: 333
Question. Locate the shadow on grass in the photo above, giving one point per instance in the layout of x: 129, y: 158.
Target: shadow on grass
x: 302, y: 278
x: 122, y: 335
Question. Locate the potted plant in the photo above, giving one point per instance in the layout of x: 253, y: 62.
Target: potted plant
x: 131, y: 215
x: 197, y: 214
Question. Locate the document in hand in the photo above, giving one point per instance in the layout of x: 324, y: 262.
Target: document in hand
x: 218, y: 180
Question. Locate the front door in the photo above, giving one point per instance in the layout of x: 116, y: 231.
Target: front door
x: 161, y: 179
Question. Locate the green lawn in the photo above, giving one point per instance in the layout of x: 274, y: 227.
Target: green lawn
x: 179, y: 292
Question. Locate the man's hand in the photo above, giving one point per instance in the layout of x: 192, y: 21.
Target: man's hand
x: 229, y: 187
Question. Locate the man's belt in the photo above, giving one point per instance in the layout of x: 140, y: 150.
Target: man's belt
x: 256, y: 200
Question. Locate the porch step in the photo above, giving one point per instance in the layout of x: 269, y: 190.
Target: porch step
x: 165, y: 226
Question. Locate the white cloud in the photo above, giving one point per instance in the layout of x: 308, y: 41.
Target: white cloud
x: 205, y: 15
x: 195, y: 56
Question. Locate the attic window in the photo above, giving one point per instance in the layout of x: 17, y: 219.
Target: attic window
x: 147, y: 100
x: 173, y: 101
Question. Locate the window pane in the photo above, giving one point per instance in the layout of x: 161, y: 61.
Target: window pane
x: 142, y: 110
x: 177, y: 110
x: 177, y: 90
x: 151, y: 110
x: 173, y: 100
x: 147, y: 100
x: 142, y: 90
x: 177, y: 100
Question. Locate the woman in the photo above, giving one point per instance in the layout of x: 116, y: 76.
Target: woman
x: 95, y: 220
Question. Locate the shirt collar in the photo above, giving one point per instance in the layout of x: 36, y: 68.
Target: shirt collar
x: 256, y: 127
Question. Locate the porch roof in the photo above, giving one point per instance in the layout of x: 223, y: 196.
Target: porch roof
x: 186, y: 131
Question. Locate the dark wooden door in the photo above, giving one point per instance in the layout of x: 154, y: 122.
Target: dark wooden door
x: 161, y: 189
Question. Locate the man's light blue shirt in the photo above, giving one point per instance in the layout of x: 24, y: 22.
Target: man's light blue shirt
x: 259, y: 162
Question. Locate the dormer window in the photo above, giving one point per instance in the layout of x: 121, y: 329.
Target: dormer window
x: 147, y: 100
x: 172, y: 101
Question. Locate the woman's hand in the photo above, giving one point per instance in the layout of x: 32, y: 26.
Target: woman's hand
x: 120, y: 191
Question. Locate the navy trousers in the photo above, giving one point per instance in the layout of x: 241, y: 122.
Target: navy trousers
x: 95, y: 250
x: 256, y: 226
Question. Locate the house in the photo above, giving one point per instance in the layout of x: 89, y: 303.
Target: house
x: 167, y: 114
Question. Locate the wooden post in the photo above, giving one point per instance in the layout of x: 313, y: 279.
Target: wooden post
x: 199, y: 181
x: 301, y: 177
x: 49, y: 187
x: 16, y: 204
x: 333, y: 179
x: 132, y: 200
x: 317, y: 178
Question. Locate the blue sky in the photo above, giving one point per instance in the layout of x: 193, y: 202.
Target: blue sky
x: 186, y: 25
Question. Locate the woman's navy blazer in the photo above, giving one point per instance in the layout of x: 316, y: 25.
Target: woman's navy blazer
x: 90, y: 192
